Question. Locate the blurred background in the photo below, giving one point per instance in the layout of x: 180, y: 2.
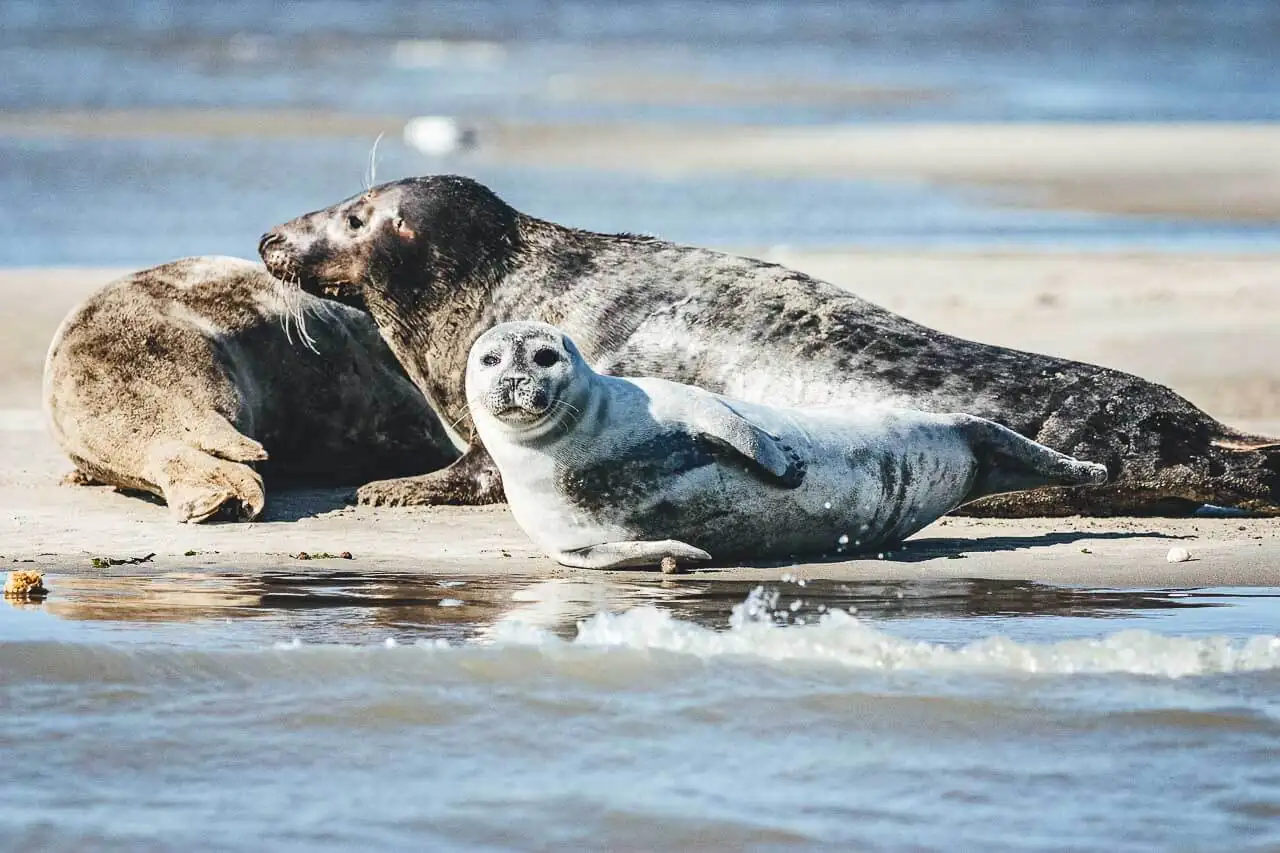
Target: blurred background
x: 133, y: 132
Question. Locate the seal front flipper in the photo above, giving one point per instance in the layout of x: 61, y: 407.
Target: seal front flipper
x: 722, y: 426
x: 198, y: 486
x: 615, y: 555
x: 1009, y: 462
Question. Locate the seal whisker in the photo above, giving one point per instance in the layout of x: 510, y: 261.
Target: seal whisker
x: 371, y: 176
x: 466, y: 410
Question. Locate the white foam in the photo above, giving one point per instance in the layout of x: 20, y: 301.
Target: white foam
x: 839, y: 638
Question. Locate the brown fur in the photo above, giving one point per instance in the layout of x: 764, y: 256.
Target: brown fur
x: 181, y: 381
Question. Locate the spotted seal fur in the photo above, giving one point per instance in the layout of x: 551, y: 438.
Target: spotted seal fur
x: 438, y: 260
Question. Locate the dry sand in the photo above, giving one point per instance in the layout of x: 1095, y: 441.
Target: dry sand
x: 1202, y: 324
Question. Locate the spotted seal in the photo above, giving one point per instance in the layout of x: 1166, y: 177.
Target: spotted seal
x: 194, y: 379
x: 607, y: 471
x: 438, y: 260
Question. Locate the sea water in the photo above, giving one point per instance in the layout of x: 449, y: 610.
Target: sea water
x: 334, y: 710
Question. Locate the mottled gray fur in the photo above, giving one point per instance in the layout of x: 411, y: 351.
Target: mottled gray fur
x: 438, y: 260
x: 605, y: 471
x: 193, y: 379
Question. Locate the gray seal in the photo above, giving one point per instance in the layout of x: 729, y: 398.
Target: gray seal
x: 607, y: 471
x: 194, y: 380
x: 438, y: 260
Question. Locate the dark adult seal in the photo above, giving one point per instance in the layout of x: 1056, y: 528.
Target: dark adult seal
x: 194, y: 379
x: 438, y: 260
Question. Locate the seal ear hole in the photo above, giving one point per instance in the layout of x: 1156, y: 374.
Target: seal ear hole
x: 546, y: 358
x: 491, y: 359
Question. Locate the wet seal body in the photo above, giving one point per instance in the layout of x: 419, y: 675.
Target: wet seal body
x: 438, y: 260
x: 605, y: 471
x: 192, y: 381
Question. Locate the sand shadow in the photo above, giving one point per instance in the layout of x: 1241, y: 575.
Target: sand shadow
x: 921, y: 550
x: 294, y: 504
x: 913, y: 551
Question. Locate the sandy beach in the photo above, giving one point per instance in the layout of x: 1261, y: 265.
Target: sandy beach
x: 1201, y: 324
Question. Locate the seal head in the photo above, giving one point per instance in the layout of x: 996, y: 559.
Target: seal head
x: 527, y: 380
x: 401, y: 240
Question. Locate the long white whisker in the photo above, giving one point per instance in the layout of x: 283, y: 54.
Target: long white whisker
x: 371, y: 176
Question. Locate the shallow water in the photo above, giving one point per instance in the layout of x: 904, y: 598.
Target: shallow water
x: 143, y: 202
x: 325, y: 710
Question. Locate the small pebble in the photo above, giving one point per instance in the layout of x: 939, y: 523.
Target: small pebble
x: 1178, y: 555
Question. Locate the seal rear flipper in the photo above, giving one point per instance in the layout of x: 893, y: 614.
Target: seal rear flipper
x: 614, y: 555
x: 1009, y: 462
x: 719, y: 424
x: 197, y: 486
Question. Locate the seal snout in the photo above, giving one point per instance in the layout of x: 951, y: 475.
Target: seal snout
x: 275, y: 252
x: 518, y: 398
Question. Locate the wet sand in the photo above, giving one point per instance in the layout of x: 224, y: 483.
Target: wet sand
x: 1203, y: 324
x: 1208, y: 171
x: 1213, y: 171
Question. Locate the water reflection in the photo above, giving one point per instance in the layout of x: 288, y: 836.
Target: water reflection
x: 355, y: 607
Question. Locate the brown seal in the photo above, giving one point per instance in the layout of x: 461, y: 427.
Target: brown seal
x: 195, y: 379
x: 438, y: 260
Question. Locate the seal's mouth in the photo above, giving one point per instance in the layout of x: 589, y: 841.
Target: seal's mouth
x: 281, y: 262
x: 348, y: 294
x: 517, y: 414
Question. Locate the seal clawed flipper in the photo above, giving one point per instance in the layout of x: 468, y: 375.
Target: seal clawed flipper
x: 1009, y: 462
x: 723, y: 427
x: 198, y: 486
x: 217, y: 437
x: 616, y: 555
x: 472, y: 479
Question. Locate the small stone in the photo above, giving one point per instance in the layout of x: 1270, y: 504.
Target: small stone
x: 302, y: 555
x: 25, y: 585
x: 346, y: 555
x: 1178, y: 555
x: 669, y: 566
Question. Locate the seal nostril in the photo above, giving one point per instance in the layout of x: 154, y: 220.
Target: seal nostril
x: 269, y: 239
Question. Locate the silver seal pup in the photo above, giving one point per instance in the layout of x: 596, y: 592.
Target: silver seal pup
x: 605, y: 471
x: 194, y: 380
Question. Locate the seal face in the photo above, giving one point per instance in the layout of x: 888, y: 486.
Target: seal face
x: 194, y: 379
x: 438, y: 260
x: 606, y: 471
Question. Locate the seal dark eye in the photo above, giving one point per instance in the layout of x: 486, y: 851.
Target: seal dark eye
x: 546, y: 357
x: 490, y: 359
x: 354, y: 222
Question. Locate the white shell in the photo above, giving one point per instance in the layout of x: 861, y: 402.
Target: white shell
x: 1178, y: 555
